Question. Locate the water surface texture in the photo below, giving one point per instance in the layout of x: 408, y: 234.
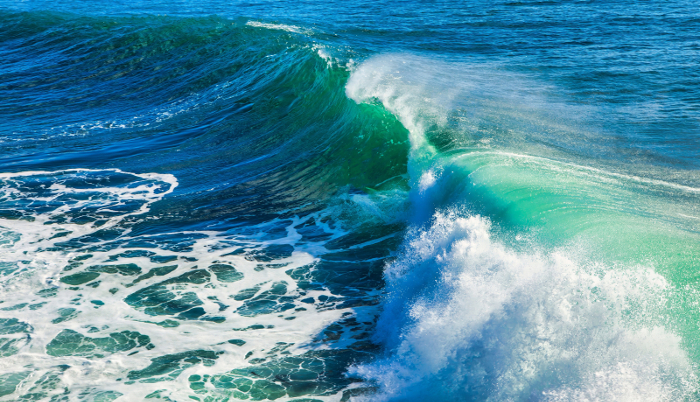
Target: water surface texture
x: 335, y: 201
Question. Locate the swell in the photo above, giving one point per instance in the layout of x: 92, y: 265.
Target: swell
x: 243, y: 151
x: 255, y: 112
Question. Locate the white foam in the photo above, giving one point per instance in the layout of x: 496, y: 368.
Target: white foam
x: 280, y: 27
x: 41, y: 259
x: 466, y: 317
x: 323, y: 53
x: 38, y: 232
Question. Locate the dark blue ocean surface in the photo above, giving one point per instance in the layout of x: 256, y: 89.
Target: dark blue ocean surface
x: 401, y: 201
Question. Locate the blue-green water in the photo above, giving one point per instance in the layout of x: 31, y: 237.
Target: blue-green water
x: 435, y: 201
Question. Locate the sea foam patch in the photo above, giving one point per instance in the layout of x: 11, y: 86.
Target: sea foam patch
x: 90, y: 312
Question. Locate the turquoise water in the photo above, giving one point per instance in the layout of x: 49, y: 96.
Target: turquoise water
x: 332, y: 201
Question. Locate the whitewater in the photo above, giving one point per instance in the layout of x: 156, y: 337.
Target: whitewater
x: 349, y: 202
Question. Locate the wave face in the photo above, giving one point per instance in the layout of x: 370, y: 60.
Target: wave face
x: 342, y: 202
x: 512, y: 284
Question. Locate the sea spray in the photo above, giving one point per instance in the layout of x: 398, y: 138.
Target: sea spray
x: 467, y: 318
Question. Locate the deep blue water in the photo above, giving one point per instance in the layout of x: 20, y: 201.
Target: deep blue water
x: 338, y: 201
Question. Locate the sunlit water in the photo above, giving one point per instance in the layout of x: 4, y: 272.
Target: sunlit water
x: 336, y: 201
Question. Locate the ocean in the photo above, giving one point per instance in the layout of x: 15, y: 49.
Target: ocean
x: 349, y: 200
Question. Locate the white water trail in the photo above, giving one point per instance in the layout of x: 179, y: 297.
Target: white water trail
x: 59, y: 225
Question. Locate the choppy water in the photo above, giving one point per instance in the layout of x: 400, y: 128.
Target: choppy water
x: 216, y: 201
